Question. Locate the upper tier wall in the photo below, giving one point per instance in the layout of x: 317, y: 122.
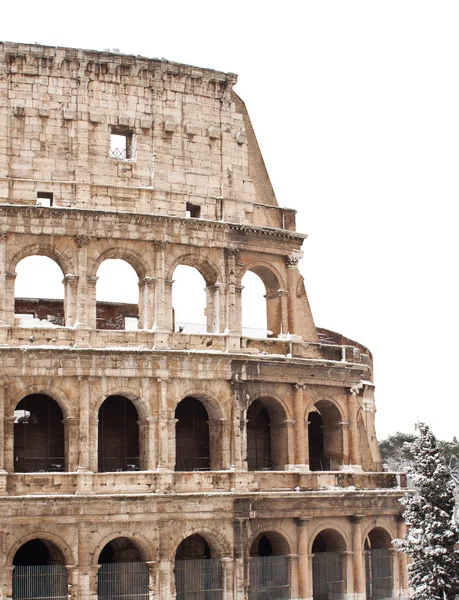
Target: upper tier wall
x: 188, y: 137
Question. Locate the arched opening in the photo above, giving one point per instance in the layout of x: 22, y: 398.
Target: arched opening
x: 118, y: 435
x: 325, y: 437
x: 123, y: 572
x: 117, y: 295
x: 39, y: 572
x: 269, y: 570
x: 189, y: 301
x: 39, y: 443
x: 379, y: 565
x: 267, y: 446
x: 39, y: 293
x: 328, y: 566
x: 198, y: 573
x: 253, y: 300
x: 261, y: 303
x: 192, y: 443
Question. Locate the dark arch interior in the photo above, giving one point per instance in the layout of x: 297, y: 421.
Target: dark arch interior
x: 192, y: 436
x: 325, y: 437
x: 378, y: 539
x: 120, y: 550
x: 328, y: 540
x: 38, y: 435
x: 118, y: 435
x: 258, y: 438
x: 269, y: 543
x: 38, y: 552
x: 193, y: 547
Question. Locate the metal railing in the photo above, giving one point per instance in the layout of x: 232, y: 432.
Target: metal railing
x: 39, y: 464
x: 129, y: 581
x: 40, y: 582
x: 378, y: 571
x: 199, y: 579
x: 118, y: 153
x: 269, y: 578
x: 327, y: 576
x: 113, y: 464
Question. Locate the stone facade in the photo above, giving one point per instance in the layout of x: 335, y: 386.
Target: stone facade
x: 283, y: 426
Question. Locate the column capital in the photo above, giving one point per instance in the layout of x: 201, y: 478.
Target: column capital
x: 82, y: 241
x: 159, y: 244
x: 355, y: 519
x: 303, y: 521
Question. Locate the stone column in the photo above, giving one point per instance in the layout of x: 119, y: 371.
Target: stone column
x: 165, y: 460
x: 162, y: 300
x: 2, y: 426
x: 345, y: 435
x: 238, y: 430
x: 71, y: 298
x: 71, y: 428
x: 9, y: 443
x: 402, y: 559
x: 72, y: 582
x: 7, y: 580
x: 292, y: 276
x: 215, y: 308
x: 9, y: 280
x: 86, y: 301
x: 238, y: 309
x: 293, y: 571
x: 225, y: 428
x: 274, y: 312
x: 358, y: 566
x: 152, y: 579
x: 228, y: 577
x: 304, y: 573
x: 147, y: 303
x: 354, y: 449
x: 284, y: 311
x: 231, y: 302
x: 5, y: 301
x: 298, y: 411
x: 84, y: 443
x: 165, y: 579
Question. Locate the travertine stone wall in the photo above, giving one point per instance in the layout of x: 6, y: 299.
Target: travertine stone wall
x: 191, y: 144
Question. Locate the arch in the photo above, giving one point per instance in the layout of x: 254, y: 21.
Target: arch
x: 217, y: 541
x: 52, y: 538
x: 378, y: 564
x: 275, y: 289
x: 197, y: 571
x: 143, y: 545
x: 325, y: 436
x: 117, y: 306
x: 66, y: 264
x: 328, y: 564
x: 118, y: 435
x: 142, y: 405
x: 210, y: 402
x: 133, y: 258
x: 268, y: 566
x: 267, y: 434
x: 210, y: 272
x: 192, y: 436
x: 49, y: 389
x: 280, y: 542
x: 39, y: 435
x: 123, y: 570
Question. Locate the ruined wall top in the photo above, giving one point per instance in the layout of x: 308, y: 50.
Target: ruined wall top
x: 107, y: 131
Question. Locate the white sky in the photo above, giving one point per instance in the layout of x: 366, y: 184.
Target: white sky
x: 356, y: 108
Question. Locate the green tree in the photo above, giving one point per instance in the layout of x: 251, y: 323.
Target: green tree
x: 432, y: 536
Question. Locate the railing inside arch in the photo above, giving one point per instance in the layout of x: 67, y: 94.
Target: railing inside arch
x: 39, y: 582
x: 128, y: 580
x: 269, y: 578
x: 378, y: 571
x: 328, y: 576
x: 199, y: 579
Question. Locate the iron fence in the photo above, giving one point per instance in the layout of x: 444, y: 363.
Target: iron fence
x: 199, y: 579
x: 378, y: 571
x: 268, y: 578
x: 129, y: 581
x: 327, y: 576
x: 40, y: 582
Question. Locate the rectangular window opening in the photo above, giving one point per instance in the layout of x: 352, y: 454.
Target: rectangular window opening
x: 121, y: 144
x: 193, y: 211
x: 44, y: 198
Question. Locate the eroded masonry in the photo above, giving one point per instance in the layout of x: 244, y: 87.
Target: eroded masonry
x: 140, y: 457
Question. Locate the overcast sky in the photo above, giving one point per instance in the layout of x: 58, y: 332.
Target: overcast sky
x: 356, y: 108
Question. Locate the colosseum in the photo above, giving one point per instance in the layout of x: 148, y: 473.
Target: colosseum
x: 142, y: 457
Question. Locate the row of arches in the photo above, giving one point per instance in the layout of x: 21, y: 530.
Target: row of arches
x: 120, y: 298
x: 40, y: 443
x: 39, y: 568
